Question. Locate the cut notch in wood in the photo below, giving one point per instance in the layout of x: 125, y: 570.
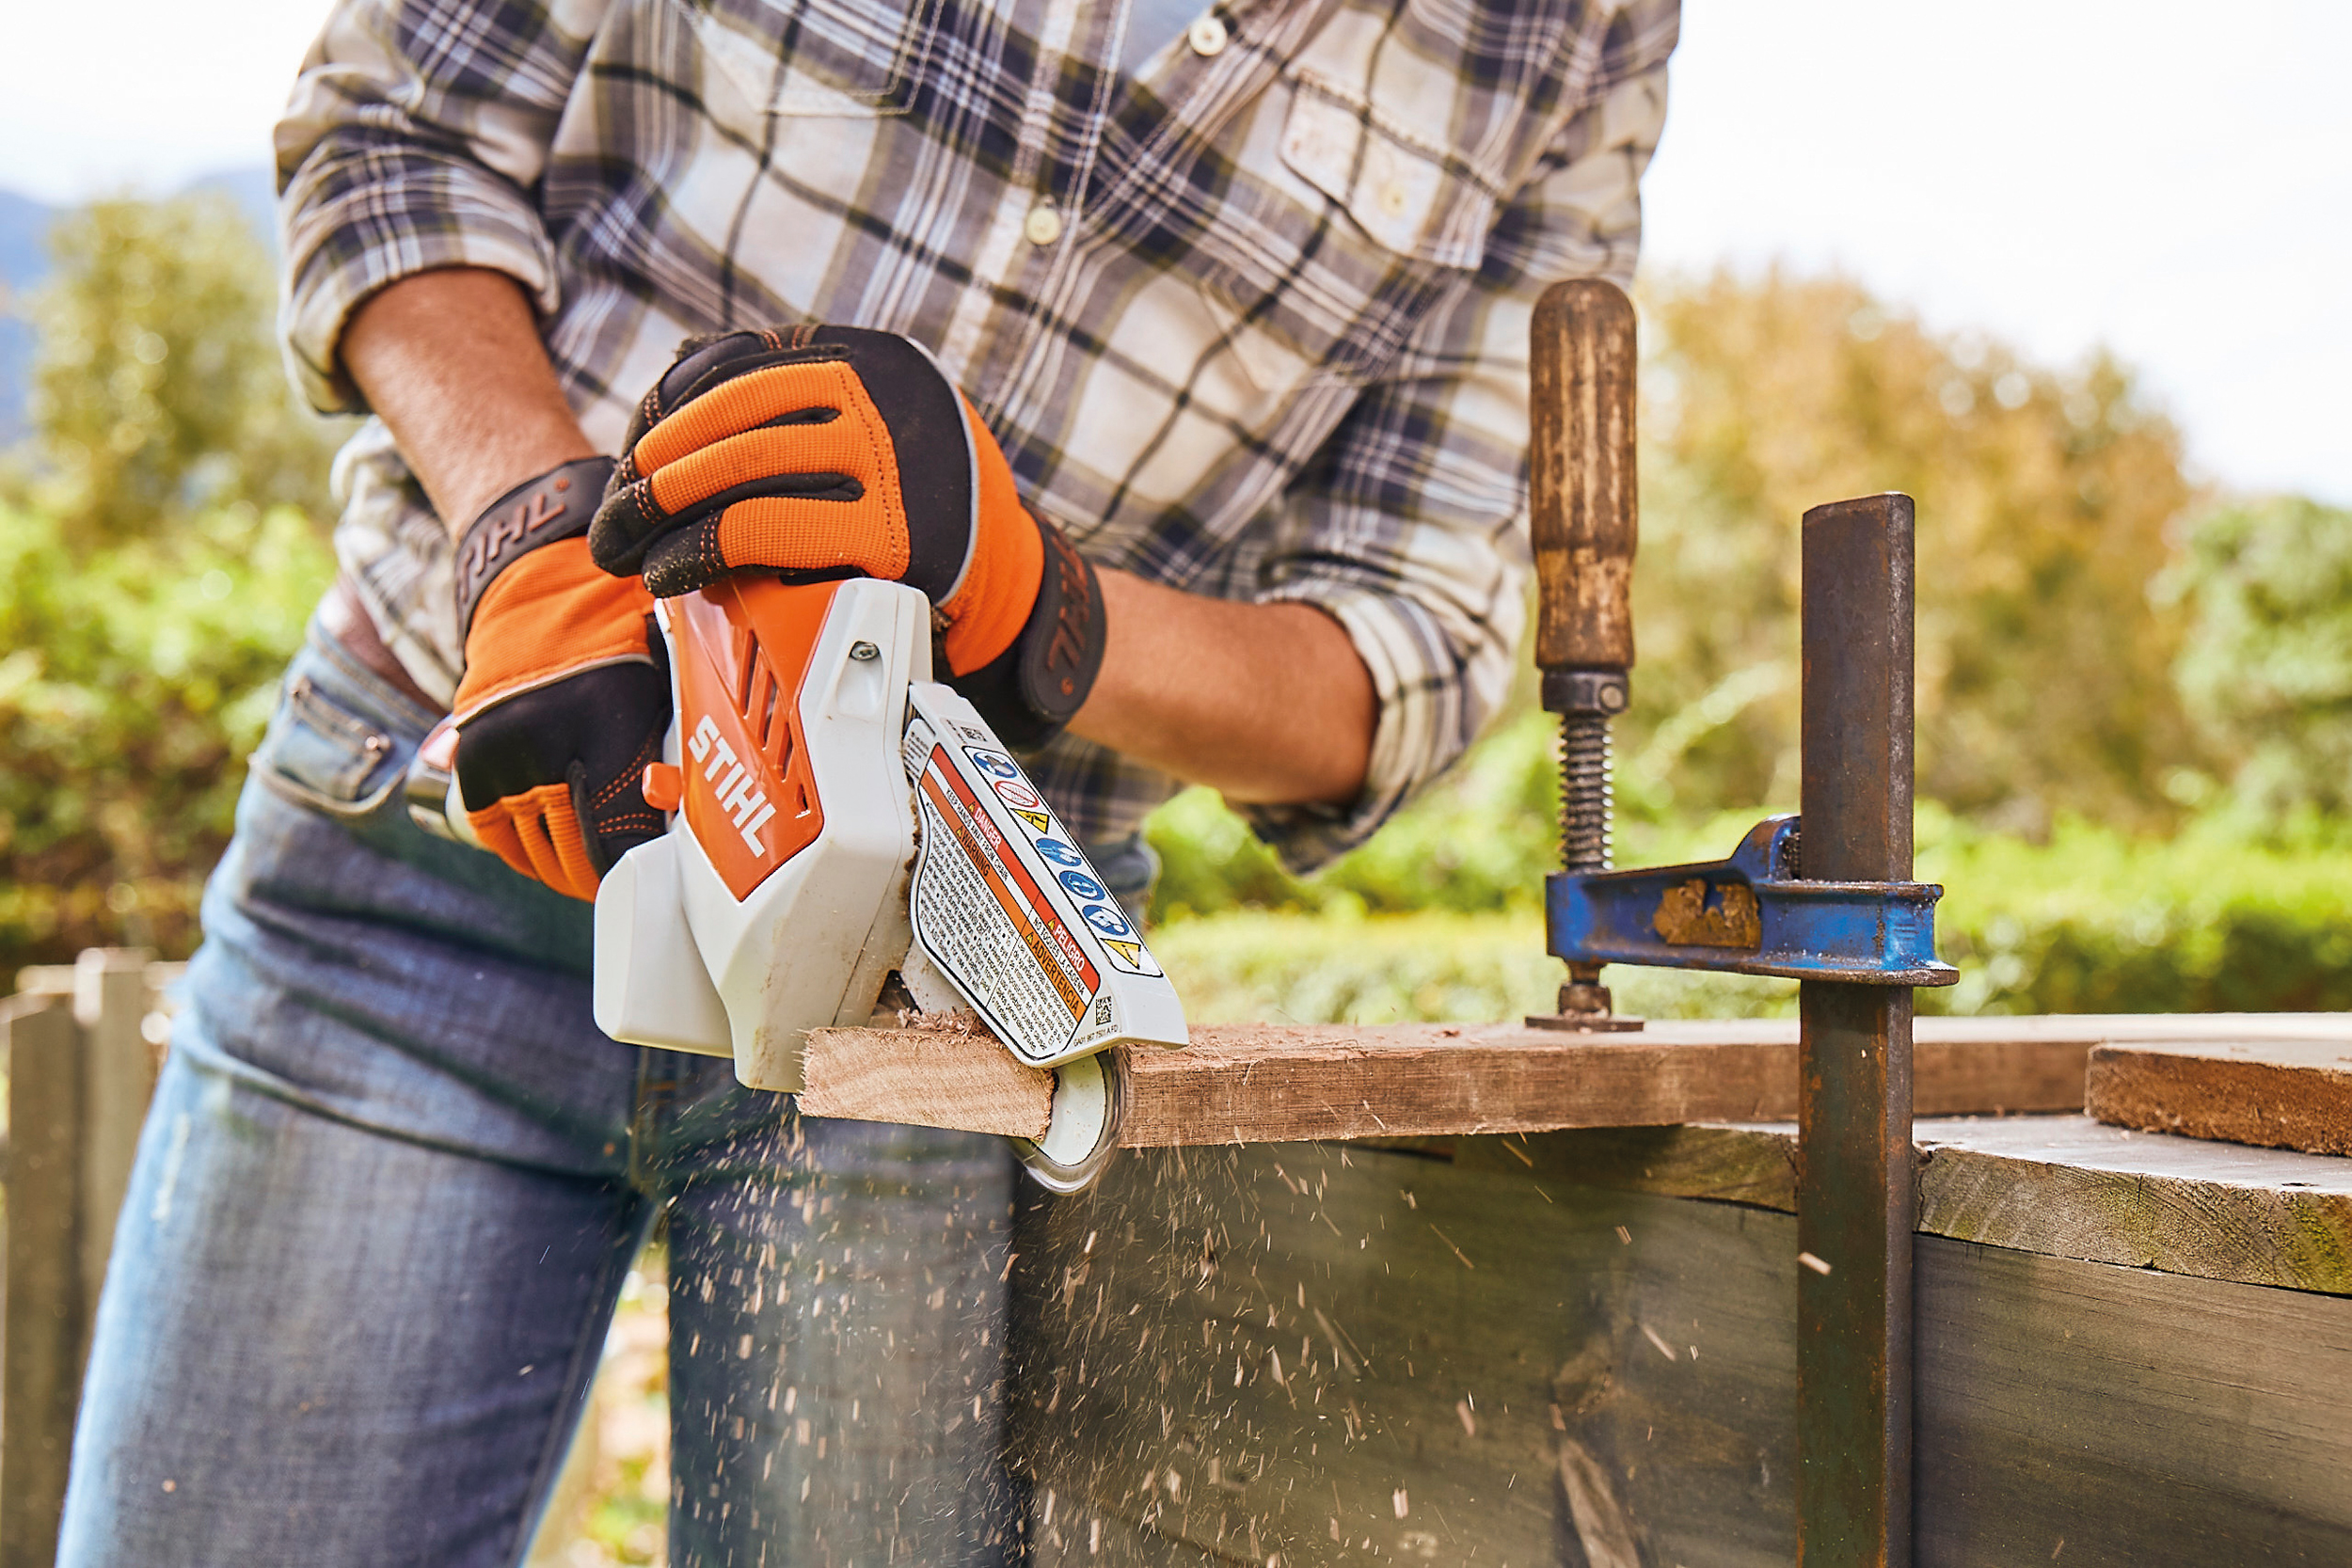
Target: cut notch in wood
x: 2273, y: 1094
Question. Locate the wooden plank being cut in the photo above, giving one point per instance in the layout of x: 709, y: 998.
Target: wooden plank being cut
x: 1261, y: 1084
x: 938, y: 1077
x: 1268, y: 1084
x: 2278, y: 1094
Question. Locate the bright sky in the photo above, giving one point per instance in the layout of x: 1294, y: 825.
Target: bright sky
x: 2172, y: 178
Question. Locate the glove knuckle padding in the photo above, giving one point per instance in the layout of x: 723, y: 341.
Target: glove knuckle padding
x: 1036, y: 685
x: 818, y: 451
x: 829, y: 450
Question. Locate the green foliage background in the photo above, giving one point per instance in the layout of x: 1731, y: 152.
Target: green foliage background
x: 2136, y: 705
x: 141, y: 675
x: 158, y: 557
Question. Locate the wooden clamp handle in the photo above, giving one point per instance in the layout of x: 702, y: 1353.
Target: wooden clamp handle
x: 1582, y: 503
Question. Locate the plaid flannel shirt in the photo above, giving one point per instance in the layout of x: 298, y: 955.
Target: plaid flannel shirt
x: 1251, y: 321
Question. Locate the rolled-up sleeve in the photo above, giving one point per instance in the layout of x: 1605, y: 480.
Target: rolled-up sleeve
x: 1411, y: 531
x: 413, y: 139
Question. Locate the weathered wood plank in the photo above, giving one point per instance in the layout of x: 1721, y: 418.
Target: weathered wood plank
x: 1263, y: 1083
x: 1256, y: 1350
x: 2069, y: 1187
x: 46, y: 1305
x: 2106, y: 1417
x: 2061, y: 1186
x: 1258, y: 1083
x: 2278, y: 1094
x: 111, y: 1001
x: 2148, y: 1419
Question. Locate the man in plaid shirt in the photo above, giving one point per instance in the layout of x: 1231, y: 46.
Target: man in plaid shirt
x: 1241, y: 296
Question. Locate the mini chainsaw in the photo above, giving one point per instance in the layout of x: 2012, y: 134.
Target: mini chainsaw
x: 837, y: 819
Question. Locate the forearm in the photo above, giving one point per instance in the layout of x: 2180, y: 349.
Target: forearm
x: 452, y: 362
x: 1267, y: 704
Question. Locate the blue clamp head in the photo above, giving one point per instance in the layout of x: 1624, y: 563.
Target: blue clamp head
x: 1749, y: 914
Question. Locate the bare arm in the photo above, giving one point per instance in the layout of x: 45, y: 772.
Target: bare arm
x: 1266, y: 702
x: 1269, y: 704
x: 452, y: 361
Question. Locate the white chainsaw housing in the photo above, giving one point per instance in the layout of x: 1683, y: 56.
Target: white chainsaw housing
x: 681, y: 963
x: 817, y: 893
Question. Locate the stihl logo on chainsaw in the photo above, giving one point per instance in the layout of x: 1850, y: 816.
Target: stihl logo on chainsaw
x: 737, y: 788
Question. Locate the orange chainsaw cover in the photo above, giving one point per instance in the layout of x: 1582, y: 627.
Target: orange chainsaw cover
x: 743, y: 650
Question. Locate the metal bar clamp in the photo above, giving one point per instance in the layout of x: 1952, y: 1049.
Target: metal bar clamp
x: 1749, y: 914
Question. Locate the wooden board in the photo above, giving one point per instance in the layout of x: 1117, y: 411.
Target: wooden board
x: 47, y: 1310
x: 1251, y: 1352
x: 1626, y: 1362
x: 925, y: 1078
x: 2280, y: 1094
x: 2106, y: 1417
x: 1261, y: 1084
x: 2057, y: 1185
x: 1264, y: 1084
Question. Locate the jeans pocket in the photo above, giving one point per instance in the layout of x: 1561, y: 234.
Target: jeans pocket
x: 318, y: 753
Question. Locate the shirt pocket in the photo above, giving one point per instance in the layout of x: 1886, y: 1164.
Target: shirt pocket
x: 318, y: 753
x: 1356, y: 229
x: 818, y: 58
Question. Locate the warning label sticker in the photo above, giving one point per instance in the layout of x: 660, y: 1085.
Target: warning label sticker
x: 1051, y: 846
x: 985, y: 921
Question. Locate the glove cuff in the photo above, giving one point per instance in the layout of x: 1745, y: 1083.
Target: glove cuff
x: 1035, y: 686
x: 558, y: 504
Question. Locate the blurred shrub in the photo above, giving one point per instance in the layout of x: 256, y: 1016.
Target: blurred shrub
x: 2044, y: 498
x: 154, y: 576
x: 2094, y: 920
x: 157, y: 389
x: 1256, y: 964
x: 2266, y: 669
x: 2100, y: 921
x: 138, y: 679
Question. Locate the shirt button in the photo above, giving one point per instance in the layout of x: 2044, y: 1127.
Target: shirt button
x: 1207, y: 35
x: 1043, y: 224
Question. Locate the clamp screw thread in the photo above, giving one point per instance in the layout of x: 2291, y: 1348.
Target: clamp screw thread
x: 1587, y: 797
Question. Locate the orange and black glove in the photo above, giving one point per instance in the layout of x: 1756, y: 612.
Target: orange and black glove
x: 833, y: 452
x: 565, y: 697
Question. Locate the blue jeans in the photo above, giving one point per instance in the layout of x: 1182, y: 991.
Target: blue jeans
x: 390, y: 1186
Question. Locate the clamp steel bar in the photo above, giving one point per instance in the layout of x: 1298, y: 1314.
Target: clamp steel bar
x: 1855, y: 1193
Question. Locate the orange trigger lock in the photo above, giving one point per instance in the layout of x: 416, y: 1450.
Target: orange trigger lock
x: 663, y: 787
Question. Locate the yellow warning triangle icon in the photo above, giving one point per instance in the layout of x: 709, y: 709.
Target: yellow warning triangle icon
x: 1131, y: 952
x: 1037, y: 820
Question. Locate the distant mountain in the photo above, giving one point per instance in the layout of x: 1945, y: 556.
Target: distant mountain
x: 254, y: 190
x: 24, y: 261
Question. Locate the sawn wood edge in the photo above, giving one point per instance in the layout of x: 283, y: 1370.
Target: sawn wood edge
x: 2277, y: 1094
x: 1264, y: 1084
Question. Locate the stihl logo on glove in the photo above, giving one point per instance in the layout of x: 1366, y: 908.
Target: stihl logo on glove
x: 736, y: 784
